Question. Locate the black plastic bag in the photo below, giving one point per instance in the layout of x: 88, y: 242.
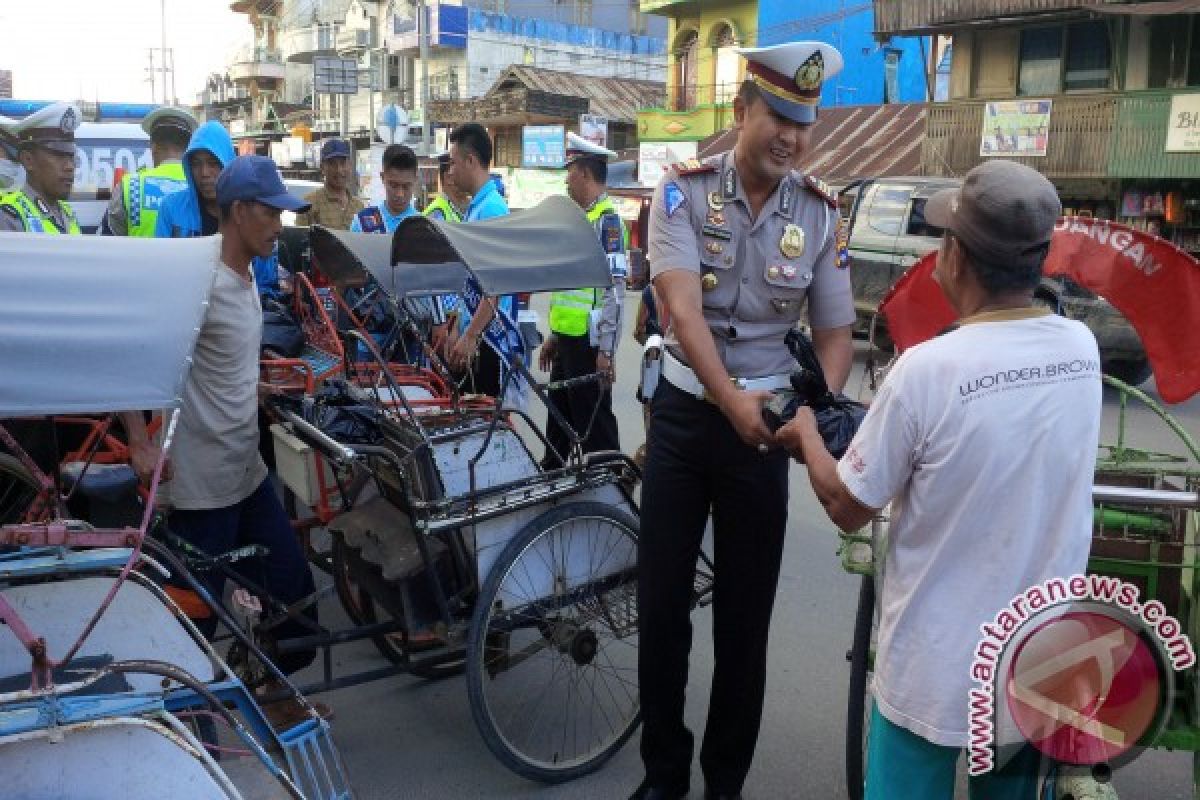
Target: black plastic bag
x: 838, y: 417
x: 341, y: 416
x: 281, y: 334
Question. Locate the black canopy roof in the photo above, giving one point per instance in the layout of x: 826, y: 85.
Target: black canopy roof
x: 549, y: 247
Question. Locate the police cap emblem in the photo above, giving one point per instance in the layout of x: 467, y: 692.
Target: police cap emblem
x: 69, y: 121
x: 811, y: 72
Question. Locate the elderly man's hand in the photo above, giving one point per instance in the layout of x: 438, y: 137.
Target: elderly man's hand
x: 791, y: 436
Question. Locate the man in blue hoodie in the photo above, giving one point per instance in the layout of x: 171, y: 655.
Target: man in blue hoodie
x: 193, y: 211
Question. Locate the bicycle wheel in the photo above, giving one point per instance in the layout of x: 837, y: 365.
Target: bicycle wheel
x: 858, y: 710
x: 552, y: 651
x: 17, y: 490
x: 363, y: 609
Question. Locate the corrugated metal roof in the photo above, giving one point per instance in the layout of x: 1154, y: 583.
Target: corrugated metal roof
x: 852, y: 142
x: 617, y: 99
x: 1161, y: 8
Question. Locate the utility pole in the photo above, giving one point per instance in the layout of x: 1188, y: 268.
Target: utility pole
x: 163, y: 21
x: 150, y: 71
x: 423, y: 40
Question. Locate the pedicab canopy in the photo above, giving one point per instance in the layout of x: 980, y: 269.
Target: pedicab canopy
x: 1153, y: 283
x: 549, y: 247
x: 92, y: 324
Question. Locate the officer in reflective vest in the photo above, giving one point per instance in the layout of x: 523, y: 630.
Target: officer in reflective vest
x: 585, y: 323
x: 133, y: 209
x: 46, y: 149
x: 449, y: 203
x: 44, y: 145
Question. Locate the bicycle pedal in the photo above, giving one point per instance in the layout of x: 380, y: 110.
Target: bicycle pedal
x: 247, y: 606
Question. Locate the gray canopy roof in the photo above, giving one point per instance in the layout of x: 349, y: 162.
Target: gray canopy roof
x: 549, y: 247
x: 92, y: 324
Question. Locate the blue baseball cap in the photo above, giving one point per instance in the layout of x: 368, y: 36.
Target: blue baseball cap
x: 256, y: 178
x: 334, y: 148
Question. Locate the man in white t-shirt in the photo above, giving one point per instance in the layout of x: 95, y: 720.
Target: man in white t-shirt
x: 983, y: 440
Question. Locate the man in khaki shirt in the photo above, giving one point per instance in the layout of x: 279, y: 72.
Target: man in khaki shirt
x: 334, y: 204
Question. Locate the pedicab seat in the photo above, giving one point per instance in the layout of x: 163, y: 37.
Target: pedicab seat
x: 108, y: 483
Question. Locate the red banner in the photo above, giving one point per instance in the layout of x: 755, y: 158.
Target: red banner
x: 1153, y: 283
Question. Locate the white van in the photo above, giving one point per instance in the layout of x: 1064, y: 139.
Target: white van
x: 102, y: 148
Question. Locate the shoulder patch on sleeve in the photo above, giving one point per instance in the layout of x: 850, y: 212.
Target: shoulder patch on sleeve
x: 611, y: 233
x: 371, y: 220
x: 692, y: 167
x: 821, y: 189
x: 673, y: 197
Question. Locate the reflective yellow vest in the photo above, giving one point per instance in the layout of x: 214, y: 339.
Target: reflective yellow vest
x: 449, y: 212
x: 569, y: 310
x: 144, y: 192
x: 34, y: 220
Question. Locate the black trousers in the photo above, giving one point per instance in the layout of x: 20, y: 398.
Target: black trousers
x: 696, y: 464
x: 573, y: 358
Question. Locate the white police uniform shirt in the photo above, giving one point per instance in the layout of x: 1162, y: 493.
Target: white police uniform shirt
x: 701, y: 221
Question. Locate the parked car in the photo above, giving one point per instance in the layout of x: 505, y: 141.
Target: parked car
x: 889, y: 233
x: 102, y: 151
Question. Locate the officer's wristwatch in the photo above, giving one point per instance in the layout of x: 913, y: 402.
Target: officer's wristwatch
x: 607, y: 354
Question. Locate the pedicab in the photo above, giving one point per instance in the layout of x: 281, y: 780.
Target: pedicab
x: 1146, y: 502
x: 449, y: 528
x: 106, y: 688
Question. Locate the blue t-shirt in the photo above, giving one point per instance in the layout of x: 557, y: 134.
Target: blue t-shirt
x: 366, y: 220
x: 486, y: 204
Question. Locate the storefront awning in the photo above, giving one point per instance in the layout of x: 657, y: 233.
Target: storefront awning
x: 1153, y: 9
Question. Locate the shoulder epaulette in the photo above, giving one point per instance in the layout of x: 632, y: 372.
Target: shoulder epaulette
x: 822, y: 190
x: 693, y: 167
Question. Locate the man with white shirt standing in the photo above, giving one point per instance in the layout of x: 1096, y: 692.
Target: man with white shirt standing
x: 983, y: 440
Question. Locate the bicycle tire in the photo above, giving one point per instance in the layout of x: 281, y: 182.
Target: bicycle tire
x: 588, y: 637
x: 856, y: 697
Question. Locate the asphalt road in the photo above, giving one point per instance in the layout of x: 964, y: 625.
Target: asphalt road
x: 403, y: 737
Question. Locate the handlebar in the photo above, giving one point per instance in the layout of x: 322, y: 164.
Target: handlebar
x: 336, y: 452
x: 569, y: 383
x: 1132, y: 495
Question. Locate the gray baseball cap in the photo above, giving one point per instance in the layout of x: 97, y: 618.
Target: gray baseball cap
x: 1004, y: 213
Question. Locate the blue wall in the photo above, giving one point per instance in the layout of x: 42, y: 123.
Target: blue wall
x: 606, y: 15
x: 534, y: 28
x: 847, y: 25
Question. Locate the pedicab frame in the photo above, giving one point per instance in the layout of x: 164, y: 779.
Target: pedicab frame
x: 73, y: 340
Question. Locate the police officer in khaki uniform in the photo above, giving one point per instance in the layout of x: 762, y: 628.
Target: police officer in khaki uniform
x: 740, y: 246
x: 46, y: 149
x: 334, y: 204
